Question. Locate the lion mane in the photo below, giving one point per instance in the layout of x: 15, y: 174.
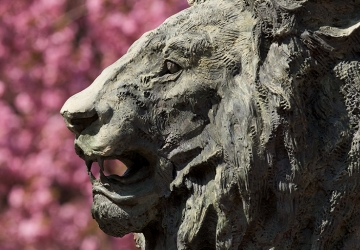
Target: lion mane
x: 299, y: 186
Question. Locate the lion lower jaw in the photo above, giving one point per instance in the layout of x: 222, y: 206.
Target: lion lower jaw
x: 124, y: 189
x: 129, y: 197
x: 120, y: 219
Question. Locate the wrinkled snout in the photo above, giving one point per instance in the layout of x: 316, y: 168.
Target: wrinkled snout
x: 83, y: 108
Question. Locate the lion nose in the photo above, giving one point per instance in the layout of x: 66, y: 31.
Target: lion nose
x: 79, y: 122
x: 78, y: 114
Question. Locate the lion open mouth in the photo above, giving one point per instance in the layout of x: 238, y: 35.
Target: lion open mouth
x: 113, y: 182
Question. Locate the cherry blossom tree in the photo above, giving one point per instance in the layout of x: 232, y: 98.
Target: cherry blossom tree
x: 49, y: 50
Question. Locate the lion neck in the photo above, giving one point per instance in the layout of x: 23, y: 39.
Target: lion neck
x: 189, y: 218
x: 189, y: 222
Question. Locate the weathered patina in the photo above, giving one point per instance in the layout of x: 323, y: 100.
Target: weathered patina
x: 238, y: 121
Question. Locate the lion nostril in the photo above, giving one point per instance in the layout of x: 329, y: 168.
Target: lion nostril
x: 84, y: 121
x: 80, y: 124
x: 146, y: 94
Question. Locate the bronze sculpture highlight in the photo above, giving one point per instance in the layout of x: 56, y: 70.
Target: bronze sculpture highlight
x: 238, y: 121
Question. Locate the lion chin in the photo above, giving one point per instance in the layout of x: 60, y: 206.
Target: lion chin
x: 239, y: 125
x: 117, y: 200
x: 110, y: 217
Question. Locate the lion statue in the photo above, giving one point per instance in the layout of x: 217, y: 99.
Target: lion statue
x: 238, y: 121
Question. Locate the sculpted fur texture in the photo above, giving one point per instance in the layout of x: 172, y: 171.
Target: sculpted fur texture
x: 239, y: 124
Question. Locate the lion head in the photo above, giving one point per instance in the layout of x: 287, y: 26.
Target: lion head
x: 238, y: 122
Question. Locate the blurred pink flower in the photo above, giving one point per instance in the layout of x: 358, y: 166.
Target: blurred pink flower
x: 2, y: 84
x: 90, y: 243
x: 49, y: 50
x: 24, y: 103
x: 31, y: 229
x: 16, y: 196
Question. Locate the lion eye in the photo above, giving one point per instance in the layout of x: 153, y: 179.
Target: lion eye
x: 171, y: 67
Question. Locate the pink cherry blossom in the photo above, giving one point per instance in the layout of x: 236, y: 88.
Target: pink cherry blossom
x: 49, y: 50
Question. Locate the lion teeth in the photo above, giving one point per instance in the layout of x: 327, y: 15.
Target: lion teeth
x: 101, y: 163
x: 88, y: 165
x: 92, y: 177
